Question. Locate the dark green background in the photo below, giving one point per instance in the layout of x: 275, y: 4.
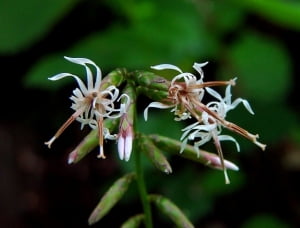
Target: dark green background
x: 256, y: 41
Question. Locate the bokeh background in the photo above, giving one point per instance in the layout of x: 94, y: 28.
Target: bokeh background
x: 256, y: 41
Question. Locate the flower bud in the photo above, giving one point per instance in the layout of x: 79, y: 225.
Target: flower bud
x: 111, y: 197
x: 154, y: 154
x: 126, y: 130
x: 214, y: 161
x: 125, y: 138
x: 168, y: 208
x: 134, y: 221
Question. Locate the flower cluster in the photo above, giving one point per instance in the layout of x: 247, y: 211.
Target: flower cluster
x: 185, y: 95
x: 96, y: 100
x: 92, y: 104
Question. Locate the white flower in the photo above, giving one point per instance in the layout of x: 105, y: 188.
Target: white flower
x: 210, y: 127
x: 90, y: 103
x: 190, y: 86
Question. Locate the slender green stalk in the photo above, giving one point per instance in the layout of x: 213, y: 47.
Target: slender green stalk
x: 142, y: 189
x: 130, y: 90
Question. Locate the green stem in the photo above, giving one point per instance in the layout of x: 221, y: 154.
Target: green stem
x: 142, y: 190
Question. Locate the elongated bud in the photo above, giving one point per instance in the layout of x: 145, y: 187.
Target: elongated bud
x: 115, y: 78
x: 173, y: 146
x: 134, y: 221
x: 168, y: 208
x: 154, y: 154
x: 151, y: 85
x: 153, y: 94
x: 125, y: 138
x: 90, y: 142
x: 126, y: 130
x: 150, y: 80
x: 214, y: 161
x: 111, y: 197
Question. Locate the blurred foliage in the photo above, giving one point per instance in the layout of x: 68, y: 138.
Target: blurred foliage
x: 265, y: 220
x: 25, y: 22
x: 180, y: 32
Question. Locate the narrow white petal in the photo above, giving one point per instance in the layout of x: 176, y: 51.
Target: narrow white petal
x: 121, y: 147
x: 124, y: 105
x: 98, y: 77
x: 63, y: 75
x: 247, y: 106
x: 128, y: 147
x: 166, y: 67
x: 245, y: 103
x: 77, y: 93
x: 185, y: 134
x: 155, y: 104
x: 89, y: 77
x: 180, y: 76
x: 229, y: 138
x: 214, y: 93
x: 84, y: 61
x: 206, y: 127
x: 204, y: 140
x: 228, y: 95
x: 190, y: 126
x: 198, y: 68
x: 112, y: 91
x: 183, y: 145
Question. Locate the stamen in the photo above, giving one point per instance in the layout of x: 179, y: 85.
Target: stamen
x: 212, y: 83
x: 262, y: 146
x: 220, y: 153
x: 50, y: 142
x: 100, y: 132
x: 64, y: 126
x: 229, y: 125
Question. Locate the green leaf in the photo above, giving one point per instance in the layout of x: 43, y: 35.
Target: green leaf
x: 168, y: 208
x: 262, y: 66
x: 111, y: 197
x: 24, y: 22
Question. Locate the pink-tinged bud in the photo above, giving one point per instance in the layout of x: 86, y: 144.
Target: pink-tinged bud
x: 214, y: 161
x: 125, y: 139
x: 72, y: 157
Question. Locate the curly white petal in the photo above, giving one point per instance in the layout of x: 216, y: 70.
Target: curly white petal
x: 187, y: 77
x: 229, y: 138
x: 166, y: 67
x: 84, y: 61
x: 245, y: 103
x: 214, y: 93
x: 198, y: 68
x: 155, y: 104
x: 79, y: 81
